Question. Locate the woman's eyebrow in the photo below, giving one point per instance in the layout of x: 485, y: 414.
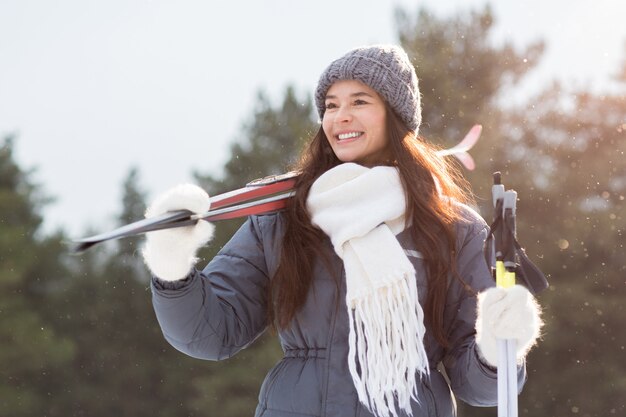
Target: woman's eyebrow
x: 357, y: 94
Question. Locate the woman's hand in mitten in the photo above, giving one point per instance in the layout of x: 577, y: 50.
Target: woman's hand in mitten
x: 171, y: 253
x: 511, y: 313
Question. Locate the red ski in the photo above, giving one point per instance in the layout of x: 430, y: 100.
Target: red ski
x: 262, y: 196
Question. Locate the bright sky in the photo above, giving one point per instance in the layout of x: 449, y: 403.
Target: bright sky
x: 95, y: 87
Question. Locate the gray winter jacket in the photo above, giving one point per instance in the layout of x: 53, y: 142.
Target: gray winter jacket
x: 217, y: 312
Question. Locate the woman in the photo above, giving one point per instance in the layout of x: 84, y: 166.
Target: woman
x: 374, y: 276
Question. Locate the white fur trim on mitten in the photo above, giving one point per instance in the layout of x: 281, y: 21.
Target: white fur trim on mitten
x: 170, y: 254
x: 511, y: 313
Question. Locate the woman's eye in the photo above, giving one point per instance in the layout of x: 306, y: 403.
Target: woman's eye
x: 359, y: 102
x: 330, y: 106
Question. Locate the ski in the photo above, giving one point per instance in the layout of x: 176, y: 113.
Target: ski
x: 262, y: 187
x: 261, y: 196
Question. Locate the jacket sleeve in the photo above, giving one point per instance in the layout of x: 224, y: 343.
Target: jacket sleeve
x: 215, y: 313
x: 472, y: 381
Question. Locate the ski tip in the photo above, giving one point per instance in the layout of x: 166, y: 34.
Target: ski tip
x: 78, y: 247
x: 469, y: 140
x: 476, y: 131
x: 466, y: 159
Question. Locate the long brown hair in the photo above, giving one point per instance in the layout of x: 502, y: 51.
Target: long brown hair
x: 431, y: 185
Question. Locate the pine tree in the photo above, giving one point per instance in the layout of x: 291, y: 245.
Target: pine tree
x: 571, y: 146
x: 464, y: 79
x: 122, y: 364
x: 32, y: 351
x: 270, y: 144
x: 461, y: 72
x: 133, y: 209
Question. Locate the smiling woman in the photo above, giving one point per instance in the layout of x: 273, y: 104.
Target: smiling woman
x: 369, y: 276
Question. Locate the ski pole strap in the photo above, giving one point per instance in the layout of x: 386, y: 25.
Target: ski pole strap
x: 527, y: 273
x: 502, y: 245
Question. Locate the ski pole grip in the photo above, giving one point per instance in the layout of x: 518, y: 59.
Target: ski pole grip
x: 507, y: 278
x: 497, y: 193
x: 510, y: 200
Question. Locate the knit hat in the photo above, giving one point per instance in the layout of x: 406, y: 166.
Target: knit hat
x: 384, y: 68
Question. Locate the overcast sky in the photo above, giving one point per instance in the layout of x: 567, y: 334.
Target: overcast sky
x: 94, y: 87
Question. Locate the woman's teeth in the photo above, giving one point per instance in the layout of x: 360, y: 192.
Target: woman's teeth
x: 350, y: 135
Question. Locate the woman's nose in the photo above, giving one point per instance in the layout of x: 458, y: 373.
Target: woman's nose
x: 343, y: 114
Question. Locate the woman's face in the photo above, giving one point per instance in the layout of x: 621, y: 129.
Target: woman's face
x: 354, y: 123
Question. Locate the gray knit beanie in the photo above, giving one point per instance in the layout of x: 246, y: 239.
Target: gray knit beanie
x: 384, y: 68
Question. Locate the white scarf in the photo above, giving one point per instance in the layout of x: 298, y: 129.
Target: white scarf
x: 362, y: 209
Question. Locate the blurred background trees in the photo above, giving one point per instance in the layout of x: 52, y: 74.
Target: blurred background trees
x: 78, y: 335
x: 31, y: 347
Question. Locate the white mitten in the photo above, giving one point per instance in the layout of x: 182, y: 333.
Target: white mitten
x: 511, y: 313
x: 170, y: 254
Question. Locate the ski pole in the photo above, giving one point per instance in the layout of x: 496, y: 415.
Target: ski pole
x: 504, y: 237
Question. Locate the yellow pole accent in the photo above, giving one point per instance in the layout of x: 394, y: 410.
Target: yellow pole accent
x: 504, y: 278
